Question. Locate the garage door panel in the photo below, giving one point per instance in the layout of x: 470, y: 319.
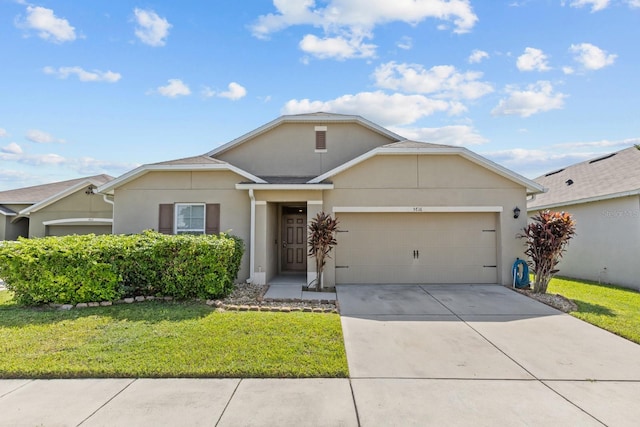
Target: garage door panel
x: 416, y: 248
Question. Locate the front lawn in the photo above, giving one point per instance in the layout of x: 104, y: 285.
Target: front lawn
x: 610, y: 307
x: 166, y: 339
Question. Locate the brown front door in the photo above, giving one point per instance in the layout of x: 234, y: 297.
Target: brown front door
x: 294, y: 242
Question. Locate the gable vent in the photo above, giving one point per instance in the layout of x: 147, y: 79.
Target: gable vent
x: 569, y: 182
x: 321, y: 137
x: 602, y: 158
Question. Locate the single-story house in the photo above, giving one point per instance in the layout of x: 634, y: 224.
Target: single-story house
x: 59, y: 208
x: 409, y: 212
x: 603, y: 195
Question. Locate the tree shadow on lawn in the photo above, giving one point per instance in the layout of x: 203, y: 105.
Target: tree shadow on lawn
x: 587, y: 307
x: 13, y: 315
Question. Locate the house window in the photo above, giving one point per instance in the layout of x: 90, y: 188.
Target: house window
x: 190, y: 218
x: 193, y: 218
x: 321, y: 139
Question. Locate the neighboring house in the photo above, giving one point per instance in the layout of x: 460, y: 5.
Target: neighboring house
x: 409, y: 212
x: 59, y: 208
x: 603, y: 195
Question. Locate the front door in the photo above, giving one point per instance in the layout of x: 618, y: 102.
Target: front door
x: 294, y: 241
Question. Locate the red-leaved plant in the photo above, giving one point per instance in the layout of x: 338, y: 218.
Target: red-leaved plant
x: 321, y: 240
x: 546, y: 237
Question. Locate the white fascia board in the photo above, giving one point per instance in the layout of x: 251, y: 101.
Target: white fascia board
x: 142, y: 170
x: 415, y: 209
x: 58, y: 196
x: 531, y: 186
x: 78, y: 220
x: 7, y: 213
x: 305, y: 119
x: 585, y: 200
x: 251, y: 186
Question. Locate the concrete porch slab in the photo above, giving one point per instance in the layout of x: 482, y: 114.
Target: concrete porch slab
x: 422, y: 347
x: 561, y: 347
x: 167, y: 402
x: 416, y: 402
x: 291, y: 402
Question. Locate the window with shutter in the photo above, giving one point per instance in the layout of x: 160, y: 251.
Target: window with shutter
x: 213, y: 218
x: 165, y: 220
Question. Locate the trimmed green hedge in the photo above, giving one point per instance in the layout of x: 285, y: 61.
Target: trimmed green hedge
x: 74, y: 269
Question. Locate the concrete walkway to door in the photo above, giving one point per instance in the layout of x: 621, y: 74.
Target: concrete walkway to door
x: 481, y: 355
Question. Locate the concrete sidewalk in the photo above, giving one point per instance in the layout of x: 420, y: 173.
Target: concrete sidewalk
x: 418, y: 355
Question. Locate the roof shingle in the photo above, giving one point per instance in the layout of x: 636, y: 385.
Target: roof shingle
x: 602, y: 177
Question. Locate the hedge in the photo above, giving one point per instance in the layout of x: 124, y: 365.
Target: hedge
x: 75, y: 269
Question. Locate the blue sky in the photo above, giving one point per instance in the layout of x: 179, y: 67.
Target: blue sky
x: 90, y: 87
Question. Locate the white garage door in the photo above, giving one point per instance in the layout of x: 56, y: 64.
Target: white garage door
x: 416, y: 248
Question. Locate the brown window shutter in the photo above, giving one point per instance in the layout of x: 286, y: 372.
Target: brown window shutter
x: 321, y: 140
x: 165, y: 220
x: 213, y: 218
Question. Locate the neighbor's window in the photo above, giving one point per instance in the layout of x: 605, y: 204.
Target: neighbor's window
x: 190, y: 218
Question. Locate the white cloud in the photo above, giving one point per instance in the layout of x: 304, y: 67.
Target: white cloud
x: 41, y: 137
x: 568, y: 70
x: 3, y: 133
x: 534, y: 163
x: 406, y: 43
x: 83, y: 75
x: 345, y: 22
x: 12, y: 148
x: 448, y: 135
x: 592, y: 57
x: 235, y: 92
x: 444, y: 81
x: 175, y: 88
x: 596, y: 5
x: 604, y: 143
x: 337, y: 47
x: 536, y: 98
x: 477, y: 56
x: 388, y: 110
x: 152, y: 29
x: 532, y: 60
x: 633, y: 3
x: 48, y: 25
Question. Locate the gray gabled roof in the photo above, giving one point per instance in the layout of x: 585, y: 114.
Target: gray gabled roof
x: 605, y: 177
x: 195, y: 160
x: 319, y: 118
x: 38, y: 193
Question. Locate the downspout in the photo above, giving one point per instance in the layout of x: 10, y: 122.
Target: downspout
x: 252, y: 238
x: 106, y: 200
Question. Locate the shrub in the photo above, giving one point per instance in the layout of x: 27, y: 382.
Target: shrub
x: 73, y: 269
x: 321, y: 240
x: 546, y: 237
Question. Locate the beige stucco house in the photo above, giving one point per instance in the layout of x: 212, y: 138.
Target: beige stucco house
x: 59, y: 208
x: 409, y: 212
x: 603, y: 195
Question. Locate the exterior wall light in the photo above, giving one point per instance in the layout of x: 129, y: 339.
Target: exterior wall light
x: 516, y: 212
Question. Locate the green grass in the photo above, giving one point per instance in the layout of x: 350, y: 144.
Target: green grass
x: 162, y: 339
x: 613, y: 308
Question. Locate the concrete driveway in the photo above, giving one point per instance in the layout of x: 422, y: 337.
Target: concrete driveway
x: 481, y: 355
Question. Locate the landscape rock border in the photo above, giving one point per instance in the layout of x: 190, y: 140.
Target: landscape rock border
x: 245, y: 297
x: 559, y: 302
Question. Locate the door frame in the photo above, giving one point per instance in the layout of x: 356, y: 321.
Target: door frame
x: 295, y: 209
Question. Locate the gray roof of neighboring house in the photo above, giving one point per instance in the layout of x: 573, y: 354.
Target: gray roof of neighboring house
x: 287, y: 179
x: 613, y: 175
x: 38, y: 193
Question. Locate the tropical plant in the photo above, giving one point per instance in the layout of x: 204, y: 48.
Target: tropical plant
x: 546, y: 238
x: 321, y: 240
